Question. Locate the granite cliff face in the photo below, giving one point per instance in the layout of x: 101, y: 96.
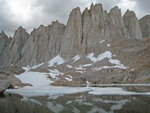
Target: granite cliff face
x: 95, y: 47
x: 145, y: 26
x: 43, y: 44
x: 132, y: 24
x: 12, y: 53
x: 4, y: 41
x: 80, y: 36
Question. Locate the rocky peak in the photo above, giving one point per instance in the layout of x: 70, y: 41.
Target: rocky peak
x: 72, y: 38
x: 3, y: 36
x: 21, y: 34
x: 80, y: 36
x: 145, y: 26
x: 20, y: 28
x: 86, y: 11
x: 132, y: 24
x: 4, y: 41
x: 2, y: 33
x: 12, y: 53
x: 43, y: 44
x: 116, y: 17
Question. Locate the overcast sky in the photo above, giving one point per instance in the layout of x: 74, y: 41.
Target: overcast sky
x: 31, y: 13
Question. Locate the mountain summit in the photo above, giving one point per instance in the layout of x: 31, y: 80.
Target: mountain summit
x: 96, y: 46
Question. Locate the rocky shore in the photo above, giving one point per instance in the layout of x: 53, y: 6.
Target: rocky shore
x: 7, y: 78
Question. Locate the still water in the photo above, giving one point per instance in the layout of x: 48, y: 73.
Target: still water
x: 77, y: 103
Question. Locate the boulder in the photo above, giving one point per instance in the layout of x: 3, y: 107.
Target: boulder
x: 4, y: 84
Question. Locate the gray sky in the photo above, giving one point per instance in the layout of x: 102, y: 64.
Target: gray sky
x: 31, y: 13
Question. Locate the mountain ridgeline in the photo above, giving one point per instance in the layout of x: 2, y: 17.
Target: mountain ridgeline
x: 80, y: 36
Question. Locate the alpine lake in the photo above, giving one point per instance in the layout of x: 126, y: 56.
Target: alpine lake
x: 77, y: 103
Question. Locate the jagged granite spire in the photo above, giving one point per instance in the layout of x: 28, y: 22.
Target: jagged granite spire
x: 145, y: 26
x: 12, y: 53
x: 81, y: 35
x: 132, y: 24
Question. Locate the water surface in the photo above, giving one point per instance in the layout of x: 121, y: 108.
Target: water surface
x: 78, y: 103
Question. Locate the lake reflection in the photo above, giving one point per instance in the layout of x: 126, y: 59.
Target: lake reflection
x: 76, y: 103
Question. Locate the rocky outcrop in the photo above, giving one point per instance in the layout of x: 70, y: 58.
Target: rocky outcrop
x: 93, y: 27
x: 12, y: 53
x: 4, y: 84
x: 4, y: 41
x: 80, y: 36
x: 116, y: 24
x: 72, y: 39
x: 43, y: 44
x: 132, y: 24
x: 7, y: 78
x: 145, y: 26
x: 84, y: 31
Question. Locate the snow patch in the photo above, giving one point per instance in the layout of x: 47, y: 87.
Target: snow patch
x: 106, y: 54
x: 85, y: 65
x: 56, y: 61
x: 36, y: 66
x: 80, y: 72
x: 68, y: 78
x: 54, y: 73
x: 79, y: 68
x: 108, y: 45
x: 69, y: 66
x: 87, y: 83
x: 102, y: 41
x: 76, y: 58
x: 34, y: 78
x: 26, y: 68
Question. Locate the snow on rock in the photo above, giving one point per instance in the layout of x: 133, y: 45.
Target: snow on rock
x: 80, y: 72
x: 108, y: 45
x: 85, y: 65
x: 82, y: 67
x: 68, y: 78
x: 56, y: 61
x: 91, y: 56
x: 87, y: 83
x: 117, y: 63
x: 102, y: 41
x: 108, y: 67
x: 54, y: 73
x: 108, y: 55
x: 34, y: 78
x: 69, y: 66
x: 36, y: 66
x: 76, y: 58
x: 26, y: 68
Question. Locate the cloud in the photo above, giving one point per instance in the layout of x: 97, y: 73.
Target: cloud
x: 32, y: 13
x: 142, y: 7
